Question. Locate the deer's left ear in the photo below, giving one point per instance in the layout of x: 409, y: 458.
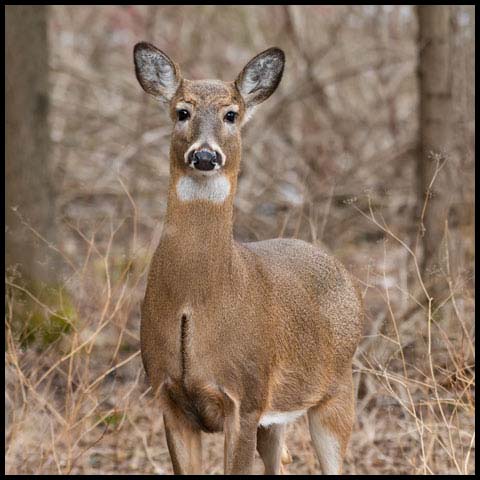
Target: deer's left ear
x: 261, y: 76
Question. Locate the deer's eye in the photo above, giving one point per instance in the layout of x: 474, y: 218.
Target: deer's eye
x: 183, y: 115
x: 230, y: 117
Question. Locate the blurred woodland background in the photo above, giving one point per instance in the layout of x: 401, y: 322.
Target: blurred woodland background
x: 367, y: 148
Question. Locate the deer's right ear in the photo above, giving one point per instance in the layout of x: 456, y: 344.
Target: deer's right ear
x: 156, y: 73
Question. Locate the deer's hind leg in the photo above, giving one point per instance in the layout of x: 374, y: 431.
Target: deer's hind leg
x: 330, y: 426
x: 272, y: 449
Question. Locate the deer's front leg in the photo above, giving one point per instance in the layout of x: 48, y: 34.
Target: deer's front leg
x: 240, y: 430
x: 184, y: 444
x: 240, y: 444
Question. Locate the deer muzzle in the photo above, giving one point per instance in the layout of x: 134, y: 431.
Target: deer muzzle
x: 204, y: 160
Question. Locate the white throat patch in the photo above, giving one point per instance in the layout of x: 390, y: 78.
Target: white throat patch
x: 213, y: 188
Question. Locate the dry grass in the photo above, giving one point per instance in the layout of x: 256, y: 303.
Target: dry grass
x: 80, y: 404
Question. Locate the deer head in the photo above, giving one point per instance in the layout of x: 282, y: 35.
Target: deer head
x: 207, y: 114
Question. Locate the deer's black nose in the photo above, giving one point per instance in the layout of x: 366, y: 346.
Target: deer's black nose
x: 205, y: 160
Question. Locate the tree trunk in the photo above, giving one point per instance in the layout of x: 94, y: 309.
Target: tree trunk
x: 29, y: 196
x: 435, y: 85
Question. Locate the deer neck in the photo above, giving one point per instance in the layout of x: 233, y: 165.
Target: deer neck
x: 197, y: 234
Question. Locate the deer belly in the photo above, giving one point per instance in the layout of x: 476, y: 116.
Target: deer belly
x: 271, y: 418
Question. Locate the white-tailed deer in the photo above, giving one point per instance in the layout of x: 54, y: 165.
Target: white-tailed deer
x: 239, y: 337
